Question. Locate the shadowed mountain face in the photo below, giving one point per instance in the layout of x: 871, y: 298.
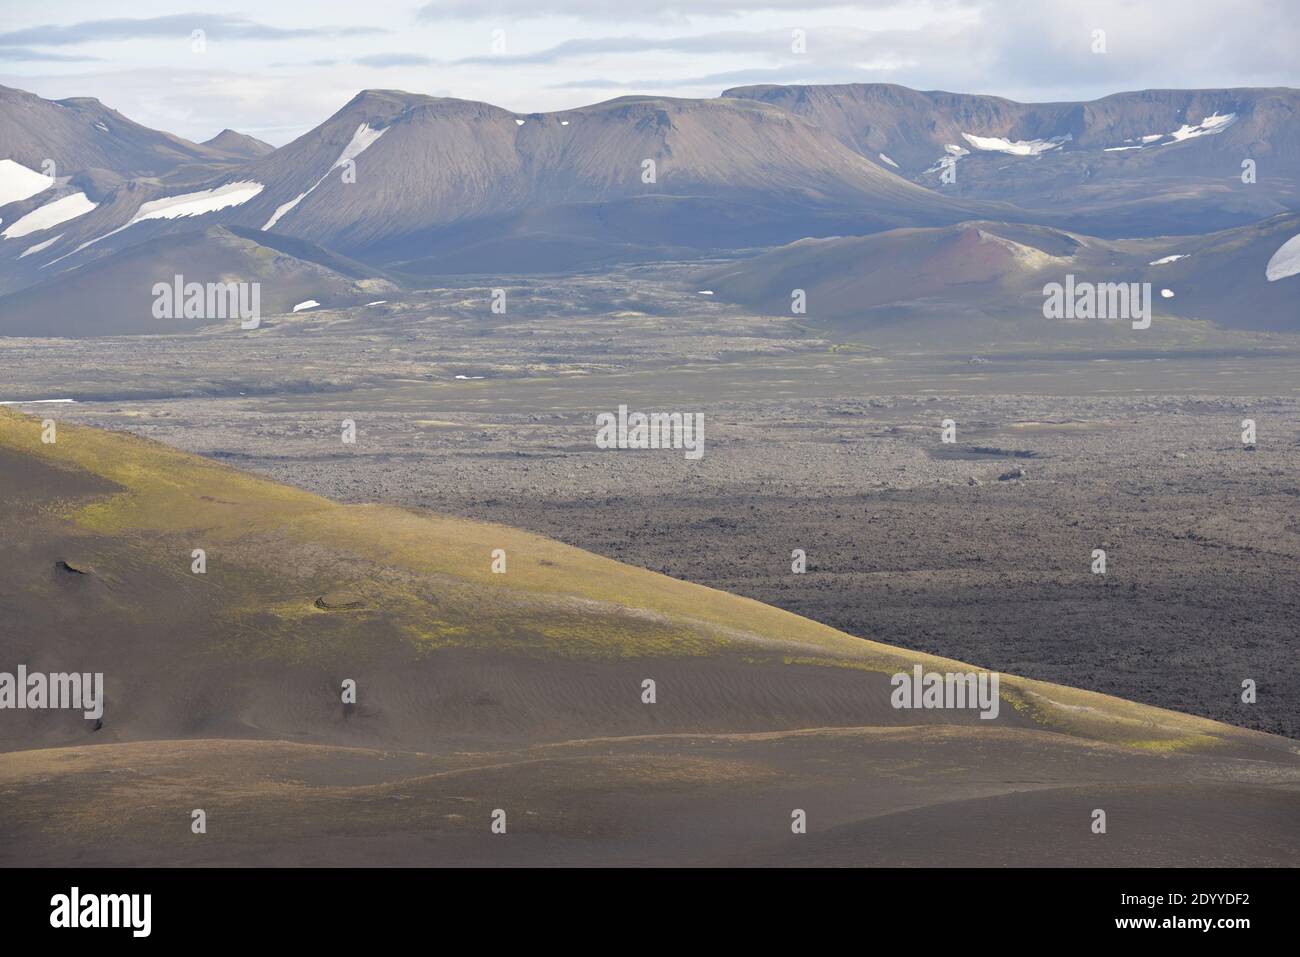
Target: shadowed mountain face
x: 984, y: 282
x: 524, y: 690
x: 250, y: 272
x: 1143, y: 163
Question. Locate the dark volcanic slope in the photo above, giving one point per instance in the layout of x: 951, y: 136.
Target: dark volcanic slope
x: 982, y: 283
x: 727, y: 172
x: 521, y: 692
x: 116, y: 295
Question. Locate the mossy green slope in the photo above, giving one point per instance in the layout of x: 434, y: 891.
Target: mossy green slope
x: 432, y: 578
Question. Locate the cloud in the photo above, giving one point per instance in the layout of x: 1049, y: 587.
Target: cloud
x: 597, y: 46
x: 937, y: 53
x: 385, y: 60
x: 298, y: 65
x: 597, y: 84
x: 642, y: 10
x: 793, y: 74
x: 218, y: 26
x: 1029, y: 50
x: 841, y: 45
x: 22, y: 54
x: 1162, y: 43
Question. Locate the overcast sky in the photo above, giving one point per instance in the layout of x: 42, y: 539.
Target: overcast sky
x: 277, y: 69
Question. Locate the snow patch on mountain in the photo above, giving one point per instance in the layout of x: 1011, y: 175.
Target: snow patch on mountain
x: 285, y: 207
x: 40, y: 247
x: 196, y: 204
x: 1285, y: 262
x: 181, y: 206
x: 362, y: 140
x: 998, y: 144
x: 18, y: 182
x: 951, y: 149
x: 1214, y: 123
x: 51, y: 214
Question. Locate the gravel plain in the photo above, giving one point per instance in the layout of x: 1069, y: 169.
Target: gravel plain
x: 829, y: 447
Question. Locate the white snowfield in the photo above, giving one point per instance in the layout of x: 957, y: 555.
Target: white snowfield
x: 1168, y: 259
x: 196, y: 204
x: 40, y: 247
x: 951, y: 149
x: 285, y: 207
x: 1285, y: 262
x: 51, y: 214
x: 362, y: 140
x: 886, y: 159
x: 1212, y: 124
x: 309, y: 304
x: 18, y: 182
x: 179, y: 207
x: 1016, y: 147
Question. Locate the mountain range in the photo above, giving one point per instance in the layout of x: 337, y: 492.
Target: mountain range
x: 413, y: 187
x: 1131, y: 164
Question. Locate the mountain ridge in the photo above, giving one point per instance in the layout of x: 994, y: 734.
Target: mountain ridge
x: 428, y: 186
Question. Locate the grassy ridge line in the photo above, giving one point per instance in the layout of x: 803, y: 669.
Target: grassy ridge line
x: 170, y: 492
